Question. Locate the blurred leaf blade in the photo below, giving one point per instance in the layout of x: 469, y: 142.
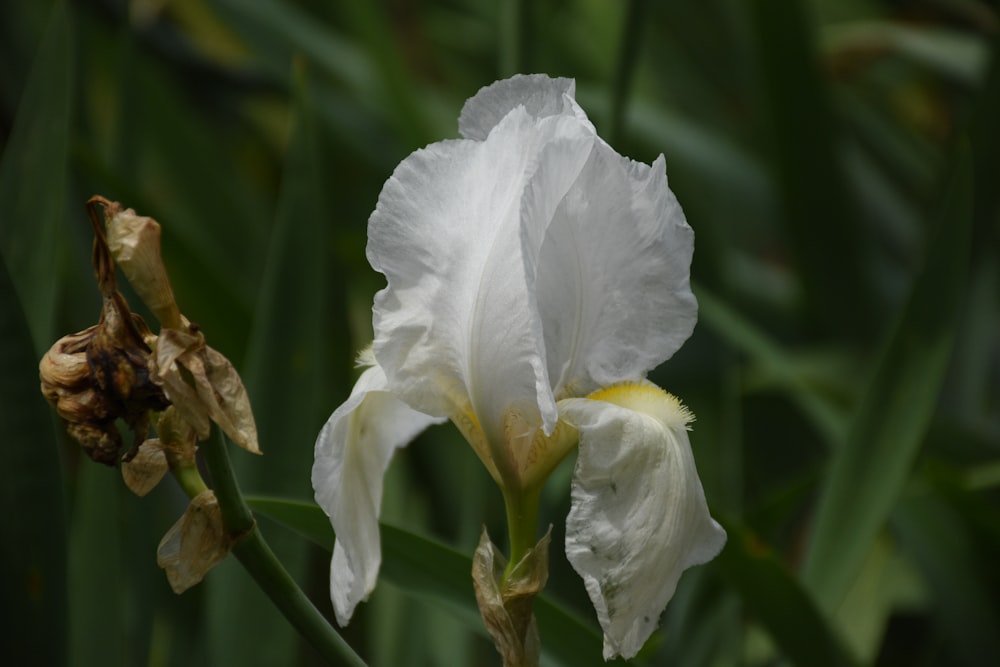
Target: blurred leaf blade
x: 288, y: 383
x: 744, y: 336
x: 33, y: 560
x: 777, y: 598
x: 958, y: 574
x: 823, y: 232
x: 431, y: 570
x: 869, y: 469
x: 33, y: 176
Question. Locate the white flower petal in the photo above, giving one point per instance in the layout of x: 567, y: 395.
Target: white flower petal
x: 638, y: 517
x: 352, y: 453
x: 540, y: 95
x: 613, y: 275
x: 457, y: 328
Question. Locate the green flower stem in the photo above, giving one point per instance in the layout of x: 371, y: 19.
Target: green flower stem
x: 522, y: 523
x: 236, y: 516
x: 256, y: 556
x: 187, y: 475
x: 515, y: 36
x: 628, y: 57
x: 271, y: 576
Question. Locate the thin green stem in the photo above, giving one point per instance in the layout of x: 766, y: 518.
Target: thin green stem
x: 515, y: 37
x: 256, y: 556
x: 236, y: 516
x: 522, y: 524
x: 628, y: 56
x: 187, y: 475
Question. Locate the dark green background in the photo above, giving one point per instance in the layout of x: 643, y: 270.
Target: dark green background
x: 839, y: 162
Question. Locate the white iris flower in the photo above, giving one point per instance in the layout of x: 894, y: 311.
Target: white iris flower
x: 534, y: 277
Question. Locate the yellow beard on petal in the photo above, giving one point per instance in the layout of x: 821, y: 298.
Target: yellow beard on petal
x: 648, y: 399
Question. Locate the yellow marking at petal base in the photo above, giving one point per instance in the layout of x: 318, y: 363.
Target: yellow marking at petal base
x: 647, y: 399
x: 467, y: 423
x: 547, y: 451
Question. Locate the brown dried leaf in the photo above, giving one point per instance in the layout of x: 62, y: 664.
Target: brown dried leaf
x: 134, y: 242
x: 146, y: 468
x: 177, y: 436
x: 228, y: 401
x: 208, y: 387
x: 195, y: 544
x: 171, y: 345
x: 506, y: 603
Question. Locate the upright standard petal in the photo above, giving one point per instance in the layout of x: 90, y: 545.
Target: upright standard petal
x: 613, y: 275
x: 540, y: 95
x: 352, y: 453
x: 457, y: 329
x: 638, y: 517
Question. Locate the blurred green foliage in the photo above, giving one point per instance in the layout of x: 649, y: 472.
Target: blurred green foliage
x: 838, y: 160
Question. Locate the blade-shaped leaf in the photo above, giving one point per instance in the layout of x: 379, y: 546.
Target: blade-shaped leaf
x: 287, y: 379
x: 33, y: 179
x: 779, y: 601
x: 436, y: 572
x: 33, y: 525
x: 823, y: 231
x: 872, y: 464
x: 743, y: 335
x: 958, y: 573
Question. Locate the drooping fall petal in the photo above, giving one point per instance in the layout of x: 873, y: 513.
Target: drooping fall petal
x: 638, y: 517
x: 352, y: 453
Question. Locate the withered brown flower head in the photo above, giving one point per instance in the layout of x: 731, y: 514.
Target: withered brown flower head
x: 101, y: 374
x: 119, y: 369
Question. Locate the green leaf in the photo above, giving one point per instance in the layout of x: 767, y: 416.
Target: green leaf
x: 96, y: 593
x: 33, y: 523
x: 288, y: 382
x: 869, y: 469
x: 33, y: 177
x: 628, y: 60
x: 954, y: 54
x: 772, y: 360
x: 823, y: 231
x: 959, y: 572
x: 440, y: 574
x: 371, y: 25
x: 779, y: 601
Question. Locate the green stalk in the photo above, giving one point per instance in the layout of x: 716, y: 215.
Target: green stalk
x: 187, y: 475
x: 522, y: 524
x: 515, y: 37
x: 256, y: 556
x: 628, y: 56
x: 236, y: 516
